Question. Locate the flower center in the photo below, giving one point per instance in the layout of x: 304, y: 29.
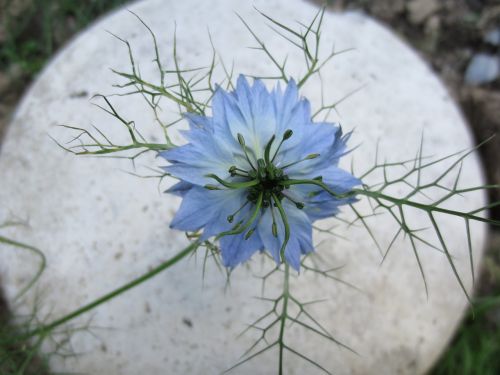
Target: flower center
x: 266, y: 187
x: 270, y: 180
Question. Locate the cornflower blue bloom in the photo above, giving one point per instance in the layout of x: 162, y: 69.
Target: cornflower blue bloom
x: 258, y: 173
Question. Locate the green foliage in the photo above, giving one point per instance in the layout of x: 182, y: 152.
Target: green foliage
x: 17, y: 357
x: 35, y: 29
x: 476, y: 348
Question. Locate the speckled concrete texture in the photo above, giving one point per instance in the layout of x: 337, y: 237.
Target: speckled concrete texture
x: 99, y: 227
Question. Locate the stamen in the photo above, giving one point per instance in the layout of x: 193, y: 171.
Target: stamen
x: 230, y: 218
x: 212, y: 187
x: 270, y: 171
x: 319, y: 183
x: 267, y: 150
x: 308, y: 157
x: 285, y: 223
x: 248, y: 223
x: 249, y: 233
x: 288, y: 133
x: 312, y: 194
x: 299, y: 205
x: 274, y: 227
x: 261, y: 169
x: 232, y: 185
x: 241, y: 141
x: 235, y: 171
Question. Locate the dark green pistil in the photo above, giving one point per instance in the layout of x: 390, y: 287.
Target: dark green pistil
x: 271, y: 181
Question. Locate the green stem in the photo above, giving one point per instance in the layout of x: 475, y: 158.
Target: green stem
x: 41, y: 268
x: 283, y: 317
x: 160, y: 89
x: 421, y: 206
x: 112, y: 149
x: 170, y: 262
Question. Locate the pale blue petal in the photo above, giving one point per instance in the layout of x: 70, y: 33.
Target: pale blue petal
x: 339, y: 180
x: 201, y: 206
x: 180, y: 189
x: 235, y: 249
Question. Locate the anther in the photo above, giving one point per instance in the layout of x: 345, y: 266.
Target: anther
x: 212, y: 187
x: 249, y: 233
x: 267, y: 150
x: 230, y: 218
x: 241, y: 140
x: 299, y: 205
x: 288, y: 133
x: 275, y: 229
x: 308, y: 157
x: 261, y: 169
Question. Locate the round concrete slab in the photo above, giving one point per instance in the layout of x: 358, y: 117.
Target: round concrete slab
x: 100, y: 227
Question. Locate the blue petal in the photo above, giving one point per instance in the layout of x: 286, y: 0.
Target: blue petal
x: 180, y: 189
x: 324, y: 205
x: 235, y: 249
x: 339, y: 180
x: 193, y: 161
x: 201, y: 206
x: 249, y: 112
x: 316, y: 139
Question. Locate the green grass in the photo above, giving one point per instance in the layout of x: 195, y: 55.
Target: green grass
x: 34, y: 33
x: 476, y: 347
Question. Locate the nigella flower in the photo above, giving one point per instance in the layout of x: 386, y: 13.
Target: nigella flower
x: 258, y: 173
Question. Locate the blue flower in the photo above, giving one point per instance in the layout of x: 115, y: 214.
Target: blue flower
x: 256, y: 173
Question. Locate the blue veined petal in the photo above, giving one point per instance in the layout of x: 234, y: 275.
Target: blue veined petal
x: 196, y: 174
x: 235, y: 249
x: 239, y: 205
x: 249, y: 112
x: 300, y: 241
x: 339, y: 148
x: 292, y: 113
x: 199, y: 122
x: 316, y: 139
x: 193, y: 161
x: 200, y: 206
x: 180, y: 189
x: 339, y: 180
x: 283, y: 105
x: 324, y: 205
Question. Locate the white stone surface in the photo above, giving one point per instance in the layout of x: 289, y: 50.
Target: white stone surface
x: 99, y: 227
